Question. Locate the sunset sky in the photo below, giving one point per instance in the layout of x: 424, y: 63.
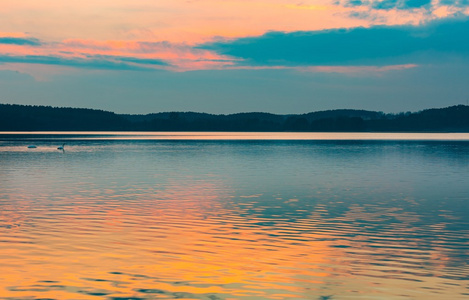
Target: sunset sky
x: 276, y: 56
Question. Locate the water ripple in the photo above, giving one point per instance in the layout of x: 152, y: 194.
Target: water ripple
x: 187, y: 221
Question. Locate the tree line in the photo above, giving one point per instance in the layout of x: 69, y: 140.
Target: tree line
x: 46, y: 118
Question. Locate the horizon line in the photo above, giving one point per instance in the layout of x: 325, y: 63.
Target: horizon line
x: 235, y: 113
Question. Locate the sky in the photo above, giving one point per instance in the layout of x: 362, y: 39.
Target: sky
x: 277, y: 56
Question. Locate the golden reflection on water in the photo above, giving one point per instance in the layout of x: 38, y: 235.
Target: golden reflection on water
x: 188, y: 244
x: 202, y: 238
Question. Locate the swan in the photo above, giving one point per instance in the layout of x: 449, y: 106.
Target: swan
x: 61, y: 147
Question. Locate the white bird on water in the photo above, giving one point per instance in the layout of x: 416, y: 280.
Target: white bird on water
x: 61, y: 147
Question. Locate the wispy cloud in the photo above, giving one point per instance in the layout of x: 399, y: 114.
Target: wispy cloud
x: 396, y: 4
x: 98, y: 62
x: 387, y: 4
x: 356, y: 69
x: 402, y: 12
x: 20, y: 41
x: 121, y: 55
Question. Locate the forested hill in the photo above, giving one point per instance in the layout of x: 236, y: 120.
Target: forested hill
x: 39, y: 118
x: 45, y: 118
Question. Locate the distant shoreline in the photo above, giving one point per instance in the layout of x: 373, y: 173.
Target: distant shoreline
x: 24, y: 118
x: 73, y: 137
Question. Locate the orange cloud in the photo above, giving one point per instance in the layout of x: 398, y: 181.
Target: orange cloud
x: 168, y: 30
x: 13, y: 34
x: 182, y: 21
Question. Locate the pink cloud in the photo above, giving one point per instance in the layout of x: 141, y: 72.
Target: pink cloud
x: 351, y: 70
x: 174, y: 56
x: 356, y: 69
x: 178, y: 56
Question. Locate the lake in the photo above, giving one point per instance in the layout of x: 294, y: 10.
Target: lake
x: 234, y: 216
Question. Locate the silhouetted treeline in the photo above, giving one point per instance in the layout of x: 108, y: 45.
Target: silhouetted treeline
x: 46, y: 118
x: 40, y: 118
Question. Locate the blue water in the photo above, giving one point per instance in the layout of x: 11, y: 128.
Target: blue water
x: 134, y: 218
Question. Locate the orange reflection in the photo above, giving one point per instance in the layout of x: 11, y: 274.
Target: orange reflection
x: 193, y: 239
x: 181, y: 240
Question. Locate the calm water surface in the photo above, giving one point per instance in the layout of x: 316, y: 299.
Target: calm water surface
x: 185, y: 216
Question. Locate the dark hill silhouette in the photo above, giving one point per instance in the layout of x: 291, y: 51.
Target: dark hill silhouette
x: 40, y: 118
x: 339, y: 113
x: 45, y: 118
